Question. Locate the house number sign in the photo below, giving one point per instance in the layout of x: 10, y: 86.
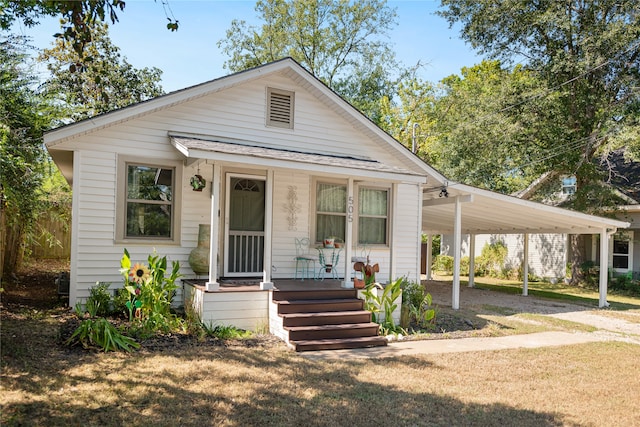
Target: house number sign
x: 350, y: 209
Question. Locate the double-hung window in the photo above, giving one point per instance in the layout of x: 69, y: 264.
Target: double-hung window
x: 373, y: 216
x: 331, y: 210
x: 622, y: 251
x: 148, y: 197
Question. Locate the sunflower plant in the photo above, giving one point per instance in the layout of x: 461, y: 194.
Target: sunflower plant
x: 151, y: 288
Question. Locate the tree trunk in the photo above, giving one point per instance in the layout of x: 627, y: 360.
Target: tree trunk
x: 577, y: 256
x: 13, y: 249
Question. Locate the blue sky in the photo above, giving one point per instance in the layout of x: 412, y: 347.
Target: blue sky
x: 191, y: 55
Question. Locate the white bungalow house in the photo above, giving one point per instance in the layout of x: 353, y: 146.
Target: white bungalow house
x: 281, y: 157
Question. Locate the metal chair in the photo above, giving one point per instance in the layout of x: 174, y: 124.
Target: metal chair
x: 304, y: 259
x: 328, y: 265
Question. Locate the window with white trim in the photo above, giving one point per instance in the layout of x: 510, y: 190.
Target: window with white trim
x: 373, y: 216
x: 622, y: 248
x: 147, y: 201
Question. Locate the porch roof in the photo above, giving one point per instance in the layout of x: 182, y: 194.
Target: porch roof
x: 253, y: 153
x: 486, y: 212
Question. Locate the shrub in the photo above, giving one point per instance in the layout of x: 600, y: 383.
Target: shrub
x: 418, y: 303
x: 443, y: 263
x: 491, y: 260
x: 99, y: 301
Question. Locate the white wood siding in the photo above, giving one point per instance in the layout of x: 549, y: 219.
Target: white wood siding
x: 407, y: 228
x: 243, y: 309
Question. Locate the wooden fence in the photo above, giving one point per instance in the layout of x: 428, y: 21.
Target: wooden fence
x: 52, y: 238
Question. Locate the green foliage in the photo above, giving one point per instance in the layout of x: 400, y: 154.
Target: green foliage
x: 151, y: 290
x: 99, y: 301
x: 585, y: 54
x: 341, y: 43
x: 227, y: 332
x: 383, y: 302
x: 23, y: 118
x: 107, y: 83
x: 78, y: 19
x: 625, y: 282
x: 443, y: 263
x: 418, y: 302
x: 99, y: 332
x: 491, y: 260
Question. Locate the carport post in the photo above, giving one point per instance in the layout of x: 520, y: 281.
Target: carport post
x: 429, y: 256
x: 604, y: 263
x: 525, y: 265
x: 472, y: 259
x: 457, y: 244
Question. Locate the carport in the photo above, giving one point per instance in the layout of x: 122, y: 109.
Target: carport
x: 457, y: 209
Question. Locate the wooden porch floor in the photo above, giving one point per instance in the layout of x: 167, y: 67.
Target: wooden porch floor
x: 253, y: 285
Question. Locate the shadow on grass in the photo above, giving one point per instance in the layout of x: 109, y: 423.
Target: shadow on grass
x: 197, y: 386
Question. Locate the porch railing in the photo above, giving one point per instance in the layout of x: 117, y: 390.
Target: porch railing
x: 246, y: 252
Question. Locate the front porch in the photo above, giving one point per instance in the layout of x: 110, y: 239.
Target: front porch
x: 307, y: 315
x: 241, y: 302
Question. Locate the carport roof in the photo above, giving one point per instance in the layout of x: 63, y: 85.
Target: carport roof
x: 486, y: 212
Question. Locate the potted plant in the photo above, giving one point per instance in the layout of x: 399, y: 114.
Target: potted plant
x: 329, y: 242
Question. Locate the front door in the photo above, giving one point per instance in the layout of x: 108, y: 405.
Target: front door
x: 244, y: 226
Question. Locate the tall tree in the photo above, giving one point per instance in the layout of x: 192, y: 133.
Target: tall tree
x: 22, y: 158
x: 587, y: 52
x: 341, y: 42
x: 108, y: 82
x: 78, y: 18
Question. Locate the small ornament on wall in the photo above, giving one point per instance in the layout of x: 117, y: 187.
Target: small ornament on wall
x: 198, y: 182
x: 292, y: 208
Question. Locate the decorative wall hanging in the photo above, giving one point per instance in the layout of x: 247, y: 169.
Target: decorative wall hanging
x: 292, y: 207
x: 198, y: 182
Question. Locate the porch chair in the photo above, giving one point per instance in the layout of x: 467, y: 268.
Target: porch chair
x: 304, y: 259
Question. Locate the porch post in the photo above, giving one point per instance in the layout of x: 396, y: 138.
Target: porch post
x: 392, y: 238
x: 457, y: 243
x: 268, y: 233
x: 348, y: 237
x: 604, y: 264
x: 429, y: 256
x: 214, y: 236
x: 525, y: 265
x: 472, y: 259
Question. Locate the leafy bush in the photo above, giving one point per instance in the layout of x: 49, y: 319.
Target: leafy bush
x: 418, y: 303
x: 99, y: 301
x: 625, y: 282
x: 443, y: 263
x: 386, y: 302
x: 491, y: 260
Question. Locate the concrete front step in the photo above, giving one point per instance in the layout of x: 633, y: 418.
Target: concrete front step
x: 317, y: 306
x: 337, y: 344
x: 326, y: 318
x: 319, y: 332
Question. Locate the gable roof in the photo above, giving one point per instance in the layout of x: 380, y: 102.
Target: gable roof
x: 624, y: 174
x: 287, y: 66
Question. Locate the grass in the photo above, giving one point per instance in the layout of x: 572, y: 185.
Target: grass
x: 557, y: 291
x: 46, y: 384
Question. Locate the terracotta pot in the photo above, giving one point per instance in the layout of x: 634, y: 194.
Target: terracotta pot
x: 358, y: 283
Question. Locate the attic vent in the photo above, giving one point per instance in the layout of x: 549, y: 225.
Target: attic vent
x: 279, y: 108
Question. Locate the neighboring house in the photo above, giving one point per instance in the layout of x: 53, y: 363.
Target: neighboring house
x: 281, y: 156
